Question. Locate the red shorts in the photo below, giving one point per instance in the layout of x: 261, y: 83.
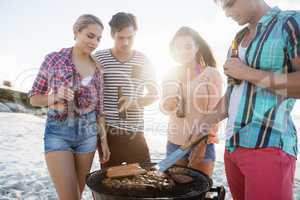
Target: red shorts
x: 260, y: 174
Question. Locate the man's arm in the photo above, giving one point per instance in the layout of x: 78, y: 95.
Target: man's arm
x: 150, y: 84
x: 283, y: 84
x: 150, y: 97
x: 141, y: 102
x: 217, y: 115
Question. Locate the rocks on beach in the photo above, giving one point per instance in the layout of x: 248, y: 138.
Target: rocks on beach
x: 17, y: 102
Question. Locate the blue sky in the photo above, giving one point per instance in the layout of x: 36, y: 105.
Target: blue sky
x: 31, y: 29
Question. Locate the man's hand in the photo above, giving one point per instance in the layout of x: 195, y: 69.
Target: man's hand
x: 125, y: 104
x: 235, y: 68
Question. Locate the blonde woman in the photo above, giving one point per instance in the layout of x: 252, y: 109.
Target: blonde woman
x: 70, y: 83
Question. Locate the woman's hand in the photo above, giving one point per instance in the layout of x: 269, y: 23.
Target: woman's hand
x: 53, y: 100
x: 212, y: 138
x: 205, y: 129
x: 169, y: 105
x: 103, y: 148
x: 105, y: 154
x: 64, y: 93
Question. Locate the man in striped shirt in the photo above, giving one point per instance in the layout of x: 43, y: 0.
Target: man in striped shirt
x: 261, y: 143
x: 127, y: 71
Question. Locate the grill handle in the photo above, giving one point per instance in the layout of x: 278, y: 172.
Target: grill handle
x: 220, y: 191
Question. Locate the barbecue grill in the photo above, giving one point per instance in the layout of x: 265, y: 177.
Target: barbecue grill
x: 196, y: 189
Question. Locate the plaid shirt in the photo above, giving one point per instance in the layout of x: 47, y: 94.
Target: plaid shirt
x: 57, y: 70
x: 263, y: 118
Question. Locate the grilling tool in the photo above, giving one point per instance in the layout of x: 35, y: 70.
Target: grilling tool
x: 177, y: 155
x: 135, y: 169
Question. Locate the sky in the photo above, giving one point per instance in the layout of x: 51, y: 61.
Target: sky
x: 31, y: 29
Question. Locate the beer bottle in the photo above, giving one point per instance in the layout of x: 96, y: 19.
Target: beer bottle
x: 180, y: 113
x: 73, y: 104
x: 123, y: 113
x: 234, y: 54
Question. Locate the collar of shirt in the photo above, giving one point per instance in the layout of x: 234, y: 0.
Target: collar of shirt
x: 66, y: 55
x: 264, y: 21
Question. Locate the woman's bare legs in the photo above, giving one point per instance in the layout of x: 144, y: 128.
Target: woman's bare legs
x: 83, y: 163
x: 197, y: 160
x: 61, y: 167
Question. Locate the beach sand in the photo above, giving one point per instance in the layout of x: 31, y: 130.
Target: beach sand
x: 23, y: 173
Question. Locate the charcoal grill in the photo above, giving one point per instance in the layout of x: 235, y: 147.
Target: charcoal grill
x: 197, y: 189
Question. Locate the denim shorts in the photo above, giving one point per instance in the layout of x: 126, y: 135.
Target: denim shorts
x: 75, y: 134
x: 210, y: 153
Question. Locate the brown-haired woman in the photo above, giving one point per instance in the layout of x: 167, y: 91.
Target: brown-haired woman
x: 70, y: 83
x: 197, y: 85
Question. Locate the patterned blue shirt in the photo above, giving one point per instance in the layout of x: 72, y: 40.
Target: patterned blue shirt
x: 264, y: 118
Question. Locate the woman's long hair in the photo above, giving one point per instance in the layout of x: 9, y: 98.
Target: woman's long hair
x: 204, y: 56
